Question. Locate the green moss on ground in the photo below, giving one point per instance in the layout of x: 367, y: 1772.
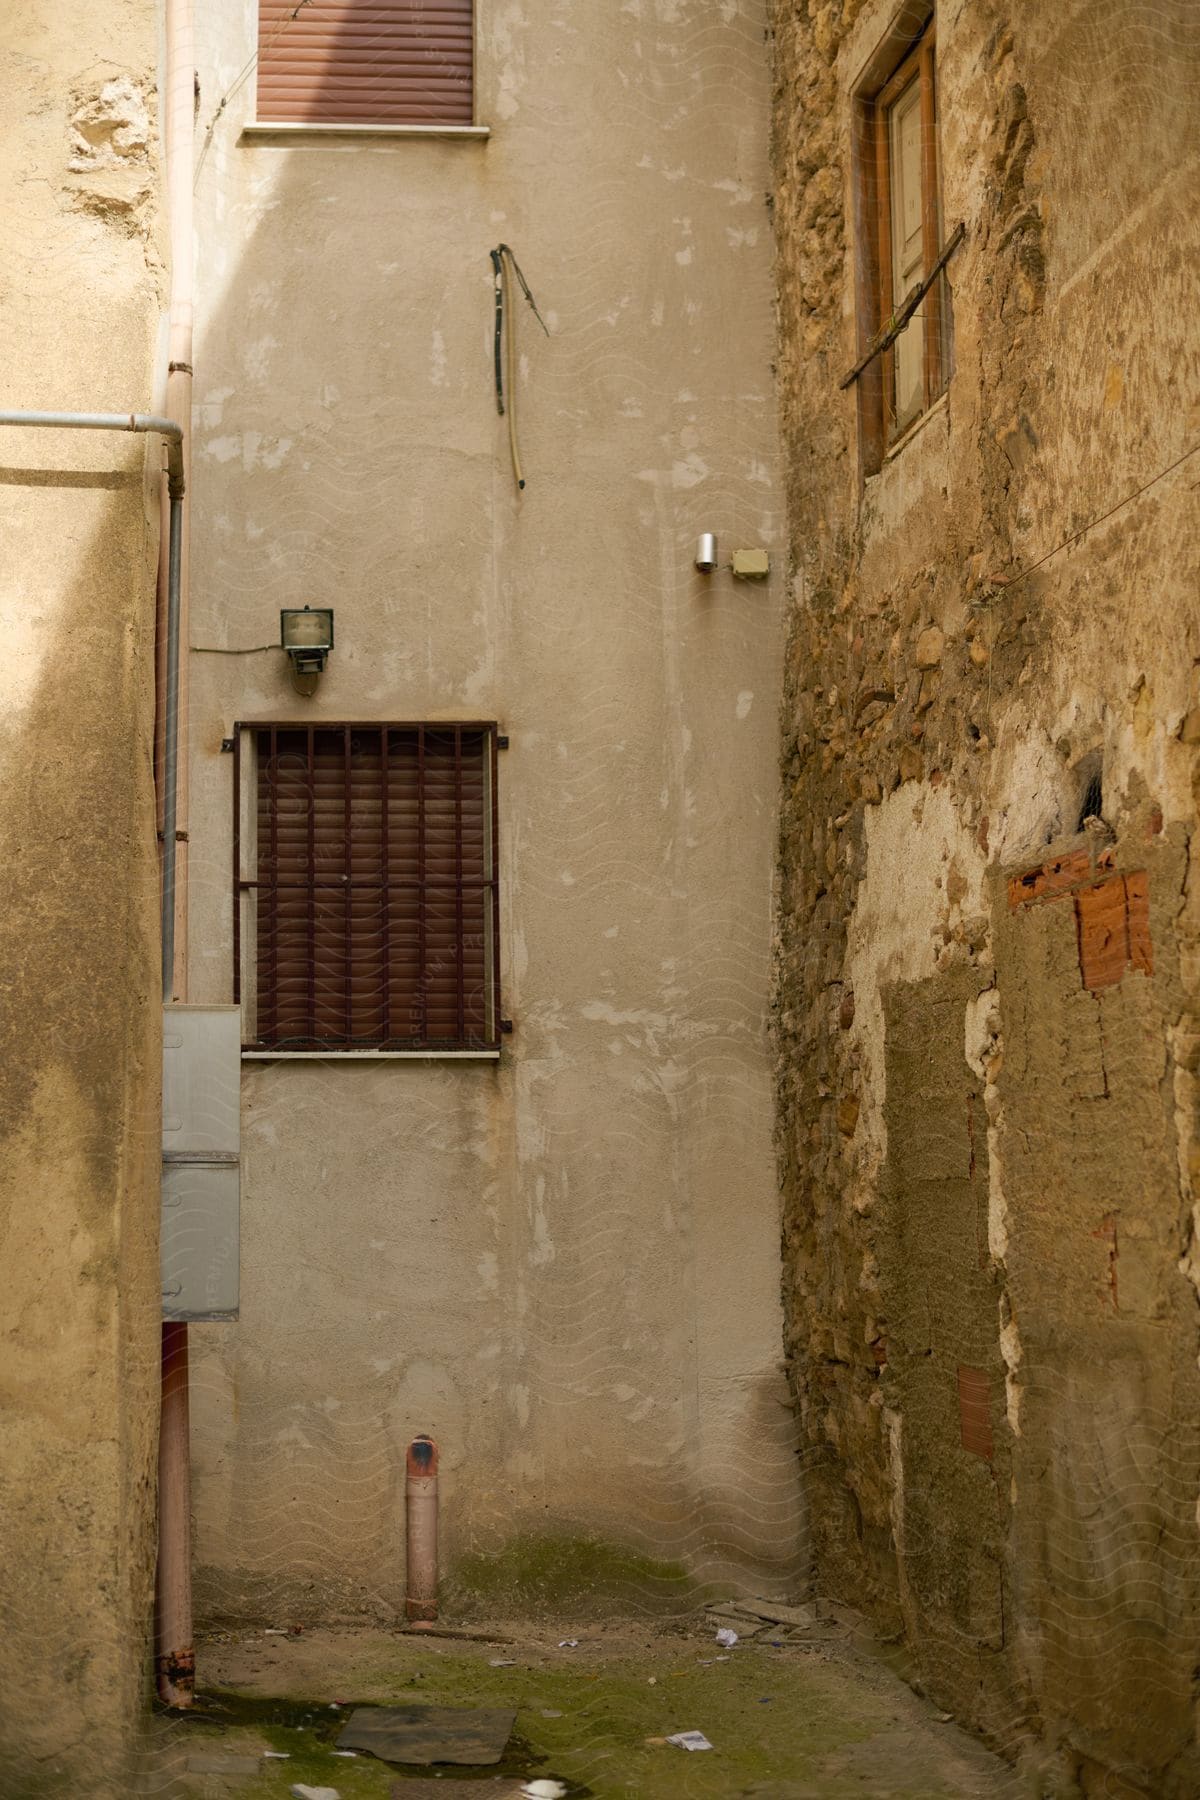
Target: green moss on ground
x: 585, y: 1715
x: 585, y: 1577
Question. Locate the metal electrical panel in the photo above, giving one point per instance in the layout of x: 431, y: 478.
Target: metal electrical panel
x: 201, y: 1161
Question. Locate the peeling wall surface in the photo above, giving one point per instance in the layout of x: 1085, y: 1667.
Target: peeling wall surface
x: 563, y: 1266
x: 987, y: 974
x: 81, y: 290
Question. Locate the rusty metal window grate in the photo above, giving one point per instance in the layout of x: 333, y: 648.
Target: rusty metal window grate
x: 366, y: 913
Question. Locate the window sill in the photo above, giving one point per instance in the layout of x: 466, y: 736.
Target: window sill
x: 934, y: 410
x: 263, y: 132
x: 370, y: 1056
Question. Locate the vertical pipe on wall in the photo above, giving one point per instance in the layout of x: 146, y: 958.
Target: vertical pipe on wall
x: 175, y: 1662
x: 421, y: 1535
x: 175, y: 1658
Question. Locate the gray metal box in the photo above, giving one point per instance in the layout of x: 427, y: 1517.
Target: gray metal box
x: 201, y: 1151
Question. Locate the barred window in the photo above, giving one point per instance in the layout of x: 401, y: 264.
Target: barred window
x: 365, y: 62
x: 366, y: 914
x: 900, y: 235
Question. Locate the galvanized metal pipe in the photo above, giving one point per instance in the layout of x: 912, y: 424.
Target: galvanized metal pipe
x: 144, y: 422
x: 171, y: 747
x: 173, y: 436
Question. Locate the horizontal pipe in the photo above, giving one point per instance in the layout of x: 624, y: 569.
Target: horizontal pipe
x: 143, y: 422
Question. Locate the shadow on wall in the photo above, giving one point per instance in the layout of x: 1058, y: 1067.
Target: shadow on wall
x: 79, y: 1074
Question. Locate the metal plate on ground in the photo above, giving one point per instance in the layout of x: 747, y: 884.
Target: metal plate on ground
x: 429, y: 1734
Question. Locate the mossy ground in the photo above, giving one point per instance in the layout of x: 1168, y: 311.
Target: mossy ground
x: 577, y: 1576
x: 784, y: 1721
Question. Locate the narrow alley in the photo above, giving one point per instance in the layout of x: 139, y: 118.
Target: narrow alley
x: 600, y: 899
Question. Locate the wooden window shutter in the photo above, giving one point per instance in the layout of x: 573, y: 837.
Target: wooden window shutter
x: 375, y: 904
x: 365, y: 62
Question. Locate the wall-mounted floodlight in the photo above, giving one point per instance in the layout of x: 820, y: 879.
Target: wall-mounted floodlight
x: 306, y: 633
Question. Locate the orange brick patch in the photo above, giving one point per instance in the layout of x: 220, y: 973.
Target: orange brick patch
x: 1054, y: 879
x: 1112, y: 916
x: 975, y: 1411
x: 1113, y: 921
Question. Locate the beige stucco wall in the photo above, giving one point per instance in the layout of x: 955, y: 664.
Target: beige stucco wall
x: 565, y: 1267
x: 81, y: 288
x: 988, y: 1157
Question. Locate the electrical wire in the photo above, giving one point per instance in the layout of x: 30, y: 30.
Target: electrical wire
x: 230, y: 91
x: 510, y: 351
x: 222, y: 650
x: 504, y: 344
x: 1008, y: 580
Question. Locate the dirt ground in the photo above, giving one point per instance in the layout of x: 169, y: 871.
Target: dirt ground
x: 790, y: 1714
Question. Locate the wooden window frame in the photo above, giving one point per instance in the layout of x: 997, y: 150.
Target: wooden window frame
x: 469, y: 126
x: 908, y: 52
x: 408, y: 962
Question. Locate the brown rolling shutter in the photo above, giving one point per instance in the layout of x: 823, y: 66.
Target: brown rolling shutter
x: 375, y: 887
x: 365, y: 62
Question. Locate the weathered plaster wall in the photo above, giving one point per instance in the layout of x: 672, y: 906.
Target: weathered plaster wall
x: 565, y: 1268
x: 987, y: 1132
x: 81, y: 294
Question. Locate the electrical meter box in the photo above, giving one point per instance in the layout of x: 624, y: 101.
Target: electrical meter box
x: 201, y: 1156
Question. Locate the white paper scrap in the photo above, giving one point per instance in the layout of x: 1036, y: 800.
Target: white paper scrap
x: 568, y: 1643
x: 690, y: 1740
x: 727, y: 1638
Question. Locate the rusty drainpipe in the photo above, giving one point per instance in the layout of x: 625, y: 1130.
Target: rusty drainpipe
x: 175, y: 1662
x: 421, y: 1536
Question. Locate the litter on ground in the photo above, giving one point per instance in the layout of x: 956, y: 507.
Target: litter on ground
x: 690, y: 1740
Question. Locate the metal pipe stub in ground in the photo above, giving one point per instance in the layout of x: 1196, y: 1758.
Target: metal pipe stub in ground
x: 421, y: 1508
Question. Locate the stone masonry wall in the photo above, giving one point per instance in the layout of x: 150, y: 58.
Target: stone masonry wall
x: 987, y: 1007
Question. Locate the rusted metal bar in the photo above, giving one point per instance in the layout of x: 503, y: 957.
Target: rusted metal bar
x: 347, y: 957
x: 385, y: 874
x: 904, y: 312
x: 460, y: 949
x: 494, y: 874
x: 422, y: 971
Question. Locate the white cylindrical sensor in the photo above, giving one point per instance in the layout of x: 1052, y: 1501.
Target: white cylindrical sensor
x: 706, y: 552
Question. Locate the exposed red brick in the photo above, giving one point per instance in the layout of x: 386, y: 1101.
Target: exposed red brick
x: 1103, y: 922
x: 1107, y: 1232
x: 1113, y: 919
x: 1155, y: 823
x: 975, y: 1411
x: 1054, y: 879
